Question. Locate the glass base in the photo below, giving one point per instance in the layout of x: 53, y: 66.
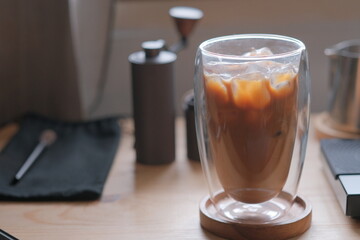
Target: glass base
x: 266, y: 212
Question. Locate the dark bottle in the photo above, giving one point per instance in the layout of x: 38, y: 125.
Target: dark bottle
x: 153, y: 103
x: 191, y: 141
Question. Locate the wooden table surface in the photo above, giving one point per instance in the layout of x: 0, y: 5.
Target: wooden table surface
x: 159, y: 202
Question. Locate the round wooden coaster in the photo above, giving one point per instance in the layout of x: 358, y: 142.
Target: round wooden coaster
x: 294, y: 223
x: 326, y: 128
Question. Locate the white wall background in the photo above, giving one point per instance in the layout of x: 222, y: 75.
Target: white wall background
x: 319, y: 24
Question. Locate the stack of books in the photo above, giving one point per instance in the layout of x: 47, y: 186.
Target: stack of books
x: 342, y: 168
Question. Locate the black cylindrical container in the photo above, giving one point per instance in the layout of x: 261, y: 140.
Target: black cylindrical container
x: 191, y: 141
x: 153, y: 103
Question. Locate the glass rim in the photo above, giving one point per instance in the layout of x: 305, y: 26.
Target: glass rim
x: 300, y: 44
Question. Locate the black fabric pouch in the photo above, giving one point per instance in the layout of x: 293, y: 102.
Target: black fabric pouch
x: 74, y: 167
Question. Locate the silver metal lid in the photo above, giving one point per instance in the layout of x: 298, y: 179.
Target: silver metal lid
x: 152, y: 53
x: 152, y: 48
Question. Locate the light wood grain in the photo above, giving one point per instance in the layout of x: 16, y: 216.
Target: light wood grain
x: 160, y: 202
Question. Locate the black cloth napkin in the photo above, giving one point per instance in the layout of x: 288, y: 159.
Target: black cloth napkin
x: 74, y: 167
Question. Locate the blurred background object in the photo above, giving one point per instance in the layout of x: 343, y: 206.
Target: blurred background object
x: 153, y: 103
x: 318, y: 24
x: 40, y: 46
x: 53, y: 56
x: 189, y: 112
x: 152, y: 73
x: 342, y: 117
x: 344, y: 104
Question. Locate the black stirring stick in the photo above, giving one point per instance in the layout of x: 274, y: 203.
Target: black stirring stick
x: 47, y: 138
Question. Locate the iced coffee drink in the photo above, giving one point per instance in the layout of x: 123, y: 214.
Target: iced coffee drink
x: 252, y: 118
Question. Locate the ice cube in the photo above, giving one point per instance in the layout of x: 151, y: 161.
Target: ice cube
x: 261, y: 52
x: 279, y: 74
x: 250, y: 94
x: 251, y: 71
x: 251, y: 76
x: 227, y: 71
x: 216, y: 89
x: 224, y: 70
x: 283, y: 80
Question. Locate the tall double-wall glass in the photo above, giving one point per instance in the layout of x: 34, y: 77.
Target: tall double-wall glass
x: 252, y: 117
